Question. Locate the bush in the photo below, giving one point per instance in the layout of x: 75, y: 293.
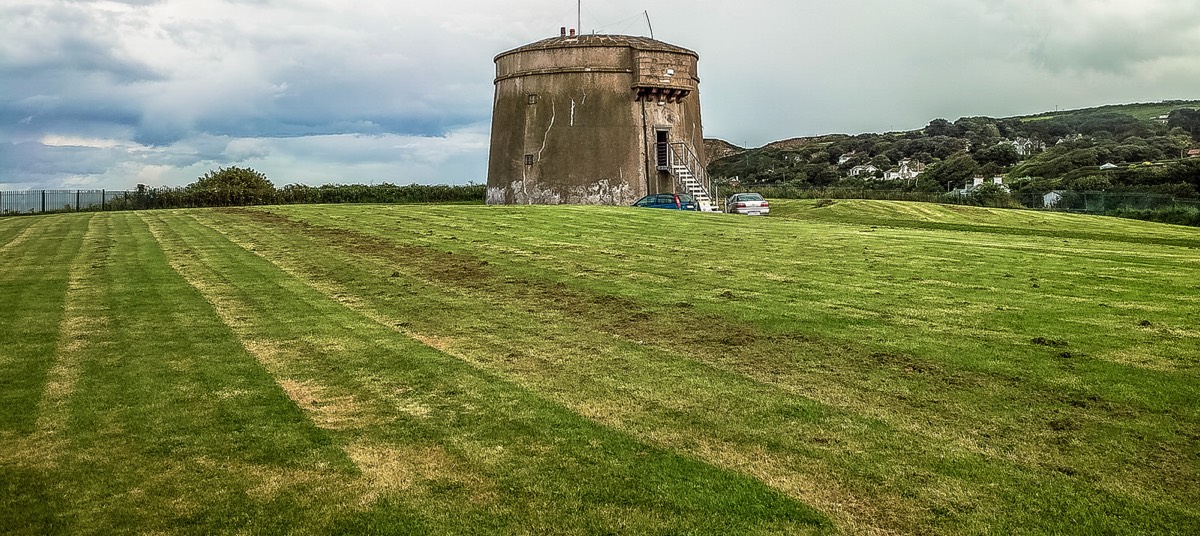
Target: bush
x: 232, y: 186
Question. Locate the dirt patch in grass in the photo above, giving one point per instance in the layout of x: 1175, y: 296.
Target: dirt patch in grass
x: 391, y: 468
x: 329, y: 411
x: 848, y: 508
x: 1053, y: 343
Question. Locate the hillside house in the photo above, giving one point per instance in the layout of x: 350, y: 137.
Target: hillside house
x: 866, y: 169
x: 1052, y: 198
x: 846, y: 157
x: 978, y: 181
x: 1026, y: 146
x: 1109, y: 165
x: 907, y: 169
x: 1193, y: 153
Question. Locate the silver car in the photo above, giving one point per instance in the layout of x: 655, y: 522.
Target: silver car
x: 750, y: 204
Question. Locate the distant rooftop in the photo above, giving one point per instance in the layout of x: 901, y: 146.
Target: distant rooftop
x: 601, y: 40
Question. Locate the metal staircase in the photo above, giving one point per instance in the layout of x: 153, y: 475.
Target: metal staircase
x: 689, y: 173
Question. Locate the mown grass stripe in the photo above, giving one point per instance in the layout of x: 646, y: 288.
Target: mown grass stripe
x: 530, y: 450
x: 14, y: 232
x: 33, y: 280
x: 83, y: 318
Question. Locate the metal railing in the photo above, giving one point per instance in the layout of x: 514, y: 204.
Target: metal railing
x: 41, y: 201
x: 684, y: 156
x: 48, y: 201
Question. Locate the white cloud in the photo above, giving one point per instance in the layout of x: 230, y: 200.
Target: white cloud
x: 116, y: 93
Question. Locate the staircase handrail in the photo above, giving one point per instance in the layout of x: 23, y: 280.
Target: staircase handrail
x: 683, y: 153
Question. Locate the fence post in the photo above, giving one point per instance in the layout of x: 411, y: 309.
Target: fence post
x: 103, y: 198
x: 76, y: 200
x: 43, y: 201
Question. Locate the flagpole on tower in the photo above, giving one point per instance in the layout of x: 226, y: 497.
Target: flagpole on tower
x: 579, y: 16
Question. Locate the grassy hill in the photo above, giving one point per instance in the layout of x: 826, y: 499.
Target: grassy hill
x: 1036, y: 154
x: 1144, y: 111
x: 847, y: 368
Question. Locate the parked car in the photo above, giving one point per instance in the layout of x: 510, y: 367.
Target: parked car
x: 671, y: 201
x: 750, y: 204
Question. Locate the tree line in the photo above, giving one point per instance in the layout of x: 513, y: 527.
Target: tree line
x: 237, y: 186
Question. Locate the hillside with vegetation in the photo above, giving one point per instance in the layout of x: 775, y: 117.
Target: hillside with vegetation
x: 1118, y: 148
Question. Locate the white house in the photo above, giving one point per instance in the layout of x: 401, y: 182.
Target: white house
x: 908, y: 169
x: 1027, y: 146
x: 1052, y: 198
x: 846, y: 157
x: 866, y: 168
x: 970, y: 187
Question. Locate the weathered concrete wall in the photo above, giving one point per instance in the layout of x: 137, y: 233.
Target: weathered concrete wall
x: 568, y: 125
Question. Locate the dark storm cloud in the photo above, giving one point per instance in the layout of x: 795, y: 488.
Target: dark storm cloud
x: 34, y: 158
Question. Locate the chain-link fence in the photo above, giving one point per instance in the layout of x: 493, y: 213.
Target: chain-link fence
x: 1105, y: 202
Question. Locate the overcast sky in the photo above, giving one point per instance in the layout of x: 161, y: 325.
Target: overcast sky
x: 109, y: 94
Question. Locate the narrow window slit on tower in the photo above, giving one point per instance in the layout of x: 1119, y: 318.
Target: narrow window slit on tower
x: 529, y: 160
x: 533, y: 98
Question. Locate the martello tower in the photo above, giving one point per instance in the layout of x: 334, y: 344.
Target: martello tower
x: 596, y: 119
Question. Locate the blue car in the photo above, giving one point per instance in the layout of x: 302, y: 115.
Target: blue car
x: 671, y: 201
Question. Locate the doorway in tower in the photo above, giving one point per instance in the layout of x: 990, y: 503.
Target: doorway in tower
x: 662, y: 150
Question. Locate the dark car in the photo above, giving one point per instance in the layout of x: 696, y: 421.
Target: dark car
x: 671, y: 201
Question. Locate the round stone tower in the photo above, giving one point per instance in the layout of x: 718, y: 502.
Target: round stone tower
x: 596, y: 119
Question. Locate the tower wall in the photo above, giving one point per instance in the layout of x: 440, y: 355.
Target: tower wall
x: 576, y: 119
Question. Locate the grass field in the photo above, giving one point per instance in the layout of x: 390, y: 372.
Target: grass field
x: 1143, y: 111
x: 862, y: 367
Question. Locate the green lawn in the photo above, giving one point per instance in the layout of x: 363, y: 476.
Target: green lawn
x: 855, y: 368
